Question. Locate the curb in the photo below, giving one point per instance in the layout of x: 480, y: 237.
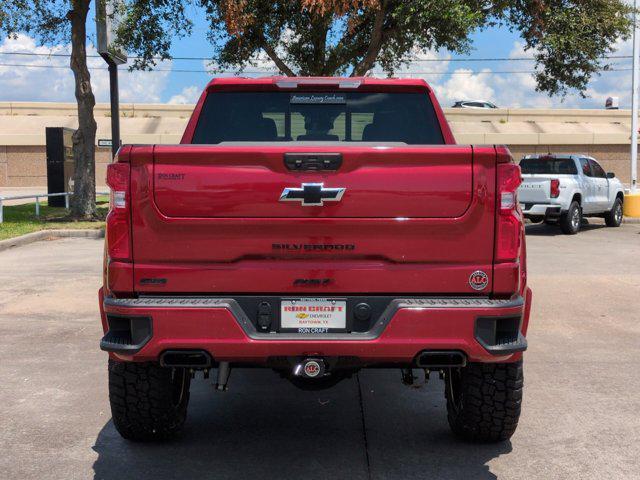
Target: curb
x: 50, y: 235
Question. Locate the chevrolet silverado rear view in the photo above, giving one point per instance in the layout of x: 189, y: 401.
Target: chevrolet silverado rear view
x: 316, y: 227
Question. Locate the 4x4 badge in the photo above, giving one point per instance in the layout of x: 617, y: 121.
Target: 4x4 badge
x: 312, y: 194
x: 478, y: 280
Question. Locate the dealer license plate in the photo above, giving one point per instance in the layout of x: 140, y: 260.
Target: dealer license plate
x: 313, y: 315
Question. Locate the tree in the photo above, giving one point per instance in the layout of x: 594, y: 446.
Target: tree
x: 568, y: 39
x: 64, y: 21
x: 55, y: 22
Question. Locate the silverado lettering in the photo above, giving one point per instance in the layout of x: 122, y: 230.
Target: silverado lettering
x: 311, y: 282
x: 312, y: 247
x: 438, y: 280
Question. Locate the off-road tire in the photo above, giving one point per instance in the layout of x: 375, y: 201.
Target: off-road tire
x: 613, y: 218
x: 148, y: 402
x: 484, y: 400
x: 571, y: 220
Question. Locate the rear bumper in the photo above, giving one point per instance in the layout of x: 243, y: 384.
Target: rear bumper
x: 476, y: 326
x: 542, y: 210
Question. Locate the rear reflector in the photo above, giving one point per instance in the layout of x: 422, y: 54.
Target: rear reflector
x: 119, y: 199
x: 507, y: 200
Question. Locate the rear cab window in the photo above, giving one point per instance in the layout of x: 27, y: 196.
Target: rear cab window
x: 348, y: 117
x: 548, y: 165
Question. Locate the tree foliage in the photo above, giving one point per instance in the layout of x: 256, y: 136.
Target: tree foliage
x: 60, y: 21
x: 340, y: 37
x: 149, y: 27
x: 65, y: 21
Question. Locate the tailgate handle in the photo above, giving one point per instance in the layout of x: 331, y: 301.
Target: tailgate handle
x: 312, y: 161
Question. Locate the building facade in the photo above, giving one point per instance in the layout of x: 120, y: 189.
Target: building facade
x: 603, y: 134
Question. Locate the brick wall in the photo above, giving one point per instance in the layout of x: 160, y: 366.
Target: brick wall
x: 23, y: 166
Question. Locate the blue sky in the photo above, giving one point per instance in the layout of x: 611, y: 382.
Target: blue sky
x: 452, y: 80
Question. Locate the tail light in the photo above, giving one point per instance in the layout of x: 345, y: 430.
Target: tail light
x: 509, y: 220
x: 118, y: 233
x: 555, y: 188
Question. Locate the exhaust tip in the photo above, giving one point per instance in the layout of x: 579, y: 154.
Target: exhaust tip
x: 441, y: 359
x: 185, y: 359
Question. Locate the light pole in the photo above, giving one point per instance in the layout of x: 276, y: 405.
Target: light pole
x: 115, y: 105
x: 634, y: 100
x: 631, y: 203
x: 107, y: 20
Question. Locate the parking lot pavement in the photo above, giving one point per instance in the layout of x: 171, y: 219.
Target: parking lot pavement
x: 580, y: 417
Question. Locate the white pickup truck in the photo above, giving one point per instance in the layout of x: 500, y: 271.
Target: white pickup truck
x: 561, y: 189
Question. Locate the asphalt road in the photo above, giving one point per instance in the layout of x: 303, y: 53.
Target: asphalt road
x: 581, y: 416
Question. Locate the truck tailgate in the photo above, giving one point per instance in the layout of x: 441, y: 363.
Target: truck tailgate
x: 534, y: 189
x: 210, y: 182
x: 412, y: 219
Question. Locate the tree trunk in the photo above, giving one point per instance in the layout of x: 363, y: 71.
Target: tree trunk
x: 83, y: 202
x: 275, y: 59
x: 320, y: 26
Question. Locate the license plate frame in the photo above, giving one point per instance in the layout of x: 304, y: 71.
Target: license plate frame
x: 325, y: 321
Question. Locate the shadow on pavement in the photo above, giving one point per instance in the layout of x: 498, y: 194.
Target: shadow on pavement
x: 408, y: 433
x: 266, y: 428
x: 544, y: 230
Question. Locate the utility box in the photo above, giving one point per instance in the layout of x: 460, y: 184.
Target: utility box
x: 60, y: 163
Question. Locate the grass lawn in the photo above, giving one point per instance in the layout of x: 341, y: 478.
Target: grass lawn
x: 21, y: 219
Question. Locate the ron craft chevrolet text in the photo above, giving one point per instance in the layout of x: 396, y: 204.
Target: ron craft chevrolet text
x: 315, y: 227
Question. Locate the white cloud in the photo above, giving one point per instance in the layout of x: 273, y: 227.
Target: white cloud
x: 187, y: 95
x: 465, y: 85
x: 259, y: 66
x: 33, y: 80
x: 515, y: 89
x: 507, y: 90
x: 437, y: 64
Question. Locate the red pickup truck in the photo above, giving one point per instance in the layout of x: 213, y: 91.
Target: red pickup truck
x: 315, y: 226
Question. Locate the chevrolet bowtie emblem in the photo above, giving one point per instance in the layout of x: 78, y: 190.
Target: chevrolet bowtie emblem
x: 312, y: 194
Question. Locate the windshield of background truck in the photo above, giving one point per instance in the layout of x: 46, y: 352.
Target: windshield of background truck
x: 318, y: 116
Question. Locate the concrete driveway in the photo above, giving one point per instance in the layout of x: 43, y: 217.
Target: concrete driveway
x: 581, y: 416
